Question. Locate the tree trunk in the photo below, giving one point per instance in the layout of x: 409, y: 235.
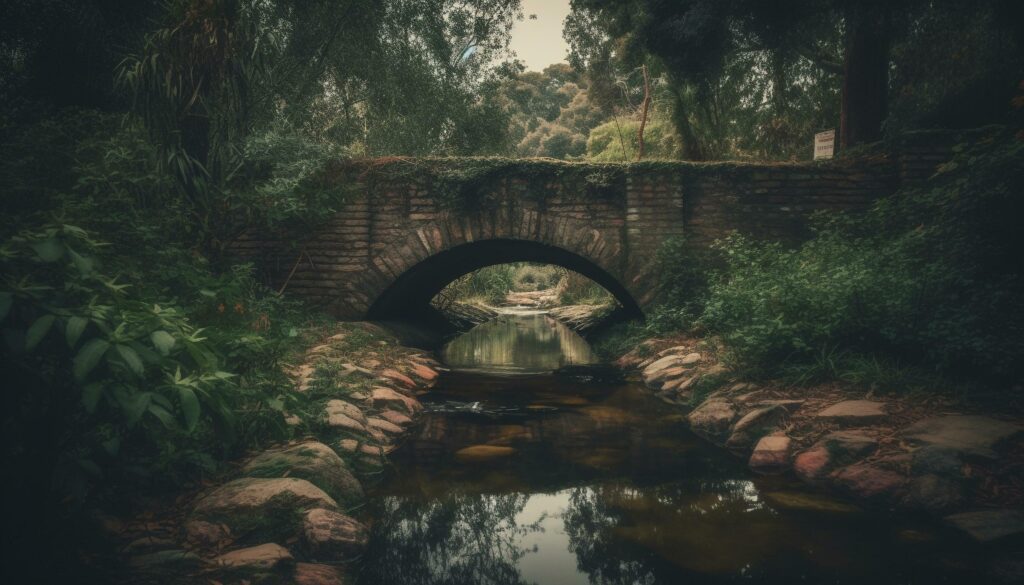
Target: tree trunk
x: 643, y: 115
x: 865, y: 76
x: 692, y: 149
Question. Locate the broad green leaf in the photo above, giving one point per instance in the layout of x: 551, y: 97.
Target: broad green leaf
x: 74, y: 329
x: 37, y: 332
x: 84, y: 264
x: 189, y: 407
x: 136, y: 407
x: 162, y: 341
x: 91, y: 394
x: 275, y: 404
x: 207, y: 293
x: 49, y: 250
x: 89, y: 356
x: 161, y: 413
x: 131, y: 359
x: 5, y: 304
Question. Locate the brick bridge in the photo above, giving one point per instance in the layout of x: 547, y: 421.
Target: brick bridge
x: 410, y: 226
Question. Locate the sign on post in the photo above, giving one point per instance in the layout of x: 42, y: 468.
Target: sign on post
x: 824, y: 144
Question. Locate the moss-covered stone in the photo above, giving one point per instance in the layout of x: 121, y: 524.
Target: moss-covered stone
x: 262, y: 509
x: 314, y: 462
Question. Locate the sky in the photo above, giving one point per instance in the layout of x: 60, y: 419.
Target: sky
x: 539, y: 43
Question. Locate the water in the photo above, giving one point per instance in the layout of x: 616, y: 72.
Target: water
x: 535, y: 478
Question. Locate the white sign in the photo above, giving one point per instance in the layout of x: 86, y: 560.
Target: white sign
x: 824, y: 144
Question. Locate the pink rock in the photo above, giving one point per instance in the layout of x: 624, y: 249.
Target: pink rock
x: 331, y: 533
x: 771, y: 455
x: 399, y: 377
x: 855, y: 411
x: 385, y: 426
x: 812, y: 465
x: 384, y: 397
x: 396, y: 418
x: 867, y: 481
x: 313, y: 574
x: 265, y: 556
x: 424, y: 373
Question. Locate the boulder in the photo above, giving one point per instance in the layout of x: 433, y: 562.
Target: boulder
x: 265, y: 557
x: 424, y: 373
x: 396, y: 418
x: 937, y: 459
x: 204, y: 535
x: 754, y: 425
x: 870, y: 482
x: 343, y: 415
x: 855, y: 411
x: 313, y: 574
x: 387, y: 398
x: 257, y: 506
x: 399, y: 378
x: 850, y: 445
x: 989, y: 525
x: 971, y: 435
x: 331, y: 534
x: 933, y: 493
x: 771, y: 455
x: 384, y: 426
x: 813, y: 465
x: 712, y: 419
x: 314, y: 462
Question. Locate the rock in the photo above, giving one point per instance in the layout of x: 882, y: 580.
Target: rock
x: 387, y: 398
x: 399, y: 378
x: 340, y: 416
x: 331, y: 534
x: 265, y: 557
x: 855, y: 411
x: 848, y: 446
x: 680, y: 385
x: 270, y: 507
x: 396, y: 418
x: 771, y: 455
x: 809, y: 502
x: 753, y: 425
x: 666, y: 376
x: 675, y: 350
x: 424, y: 373
x: 313, y: 574
x: 483, y: 453
x: 172, y: 560
x: 869, y: 482
x: 314, y: 462
x: 789, y: 405
x: 690, y: 359
x: 712, y: 419
x: 937, y: 459
x: 971, y: 435
x: 813, y: 465
x: 207, y: 535
x: 989, y: 525
x: 657, y: 366
x: 384, y: 426
x: 933, y: 493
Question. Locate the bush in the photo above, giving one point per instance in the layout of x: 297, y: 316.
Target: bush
x: 930, y: 276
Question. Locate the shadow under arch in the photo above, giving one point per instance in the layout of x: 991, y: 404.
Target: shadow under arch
x: 409, y: 296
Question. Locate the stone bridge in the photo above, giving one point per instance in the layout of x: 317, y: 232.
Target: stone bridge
x: 410, y: 226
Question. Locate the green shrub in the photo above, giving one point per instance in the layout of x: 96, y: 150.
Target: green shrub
x: 930, y: 276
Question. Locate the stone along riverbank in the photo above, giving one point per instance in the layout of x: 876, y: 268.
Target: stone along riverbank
x: 918, y: 453
x: 288, y: 514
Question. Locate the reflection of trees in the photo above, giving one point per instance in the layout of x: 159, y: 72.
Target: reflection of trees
x: 455, y: 540
x: 590, y: 524
x: 532, y: 342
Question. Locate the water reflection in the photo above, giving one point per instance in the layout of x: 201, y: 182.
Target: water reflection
x: 555, y: 482
x: 518, y: 342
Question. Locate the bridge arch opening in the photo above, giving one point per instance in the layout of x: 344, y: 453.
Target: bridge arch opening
x: 409, y: 296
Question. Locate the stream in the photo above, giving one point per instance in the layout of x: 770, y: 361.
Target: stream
x: 519, y: 475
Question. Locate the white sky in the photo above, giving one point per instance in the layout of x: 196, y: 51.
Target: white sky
x: 539, y: 43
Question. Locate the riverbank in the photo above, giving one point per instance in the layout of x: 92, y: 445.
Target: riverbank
x: 290, y: 513
x: 930, y: 453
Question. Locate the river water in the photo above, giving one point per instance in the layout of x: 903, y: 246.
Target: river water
x: 518, y: 475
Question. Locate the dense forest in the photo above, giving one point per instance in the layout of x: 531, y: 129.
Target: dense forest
x: 139, y: 139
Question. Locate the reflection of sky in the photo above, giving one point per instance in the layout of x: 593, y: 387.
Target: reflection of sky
x: 548, y: 559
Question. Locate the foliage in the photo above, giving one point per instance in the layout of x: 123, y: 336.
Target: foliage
x: 930, y: 276
x: 618, y: 140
